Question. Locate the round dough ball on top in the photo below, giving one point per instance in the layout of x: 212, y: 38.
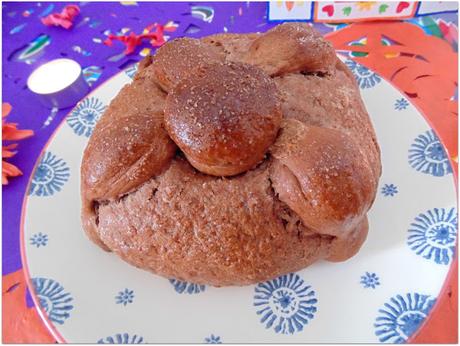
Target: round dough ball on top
x: 177, y: 58
x: 224, y: 117
x: 323, y: 176
x: 291, y: 47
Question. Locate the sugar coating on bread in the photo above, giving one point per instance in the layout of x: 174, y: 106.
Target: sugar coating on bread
x: 331, y: 189
x: 233, y: 159
x: 291, y: 47
x: 233, y: 46
x: 332, y: 101
x: 180, y: 57
x: 224, y: 125
x: 209, y: 230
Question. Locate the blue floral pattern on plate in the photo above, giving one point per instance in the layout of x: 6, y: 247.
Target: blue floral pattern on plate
x: 286, y: 303
x: 50, y: 176
x: 39, y: 239
x: 427, y: 155
x: 402, y: 316
x: 186, y: 287
x: 389, y: 190
x: 370, y: 280
x: 401, y: 104
x: 85, y: 116
x: 365, y: 77
x: 213, y: 339
x: 54, y: 300
x: 125, y: 297
x: 433, y: 234
x: 124, y: 338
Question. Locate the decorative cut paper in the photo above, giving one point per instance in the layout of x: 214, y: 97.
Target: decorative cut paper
x: 404, y: 55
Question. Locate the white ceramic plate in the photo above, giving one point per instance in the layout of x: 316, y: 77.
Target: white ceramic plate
x: 382, y: 294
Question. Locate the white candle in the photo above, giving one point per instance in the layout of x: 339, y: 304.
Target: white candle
x: 58, y: 83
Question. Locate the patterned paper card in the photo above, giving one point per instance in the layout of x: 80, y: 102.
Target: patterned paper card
x: 354, y: 11
x: 334, y: 11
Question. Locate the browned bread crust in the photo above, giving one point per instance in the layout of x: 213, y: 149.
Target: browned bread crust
x: 330, y: 189
x: 179, y: 58
x: 224, y: 117
x: 277, y: 109
x: 291, y: 47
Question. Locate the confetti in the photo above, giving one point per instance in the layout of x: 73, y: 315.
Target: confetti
x: 131, y: 71
x: 205, y: 13
x: 97, y: 40
x: 47, y: 10
x: 17, y: 28
x: 83, y: 22
x: 91, y: 74
x: 128, y: 3
x: 27, y: 13
x: 144, y: 52
x: 80, y: 50
x: 171, y: 26
x: 116, y: 57
x: 50, y: 117
x: 33, y: 50
x: 94, y: 24
x: 64, y: 19
x: 132, y: 40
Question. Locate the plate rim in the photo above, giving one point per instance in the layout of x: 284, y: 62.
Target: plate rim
x: 25, y: 267
x: 22, y: 246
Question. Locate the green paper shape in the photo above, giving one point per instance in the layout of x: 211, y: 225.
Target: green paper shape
x: 383, y: 8
x: 346, y: 11
x: 431, y: 26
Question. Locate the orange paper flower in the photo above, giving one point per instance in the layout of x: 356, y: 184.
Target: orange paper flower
x: 10, y: 133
